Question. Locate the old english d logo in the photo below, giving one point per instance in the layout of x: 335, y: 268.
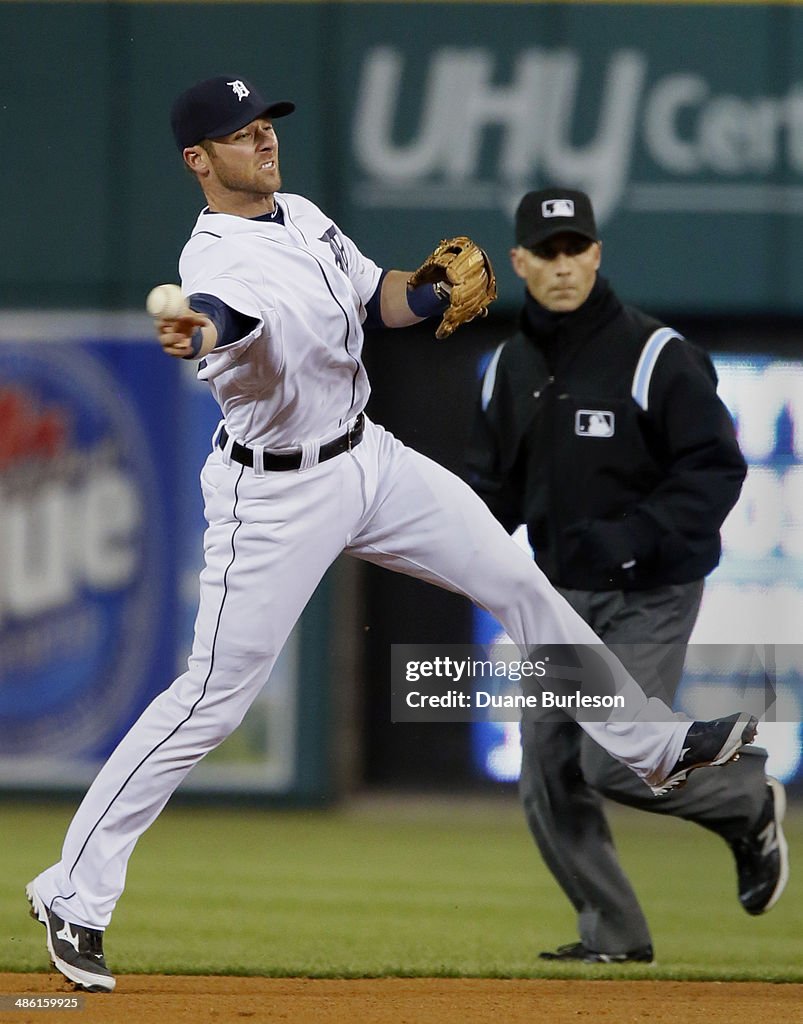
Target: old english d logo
x: 594, y: 423
x: 239, y: 88
x: 338, y: 250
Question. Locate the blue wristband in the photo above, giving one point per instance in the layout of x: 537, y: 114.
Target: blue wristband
x: 196, y: 341
x: 424, y: 301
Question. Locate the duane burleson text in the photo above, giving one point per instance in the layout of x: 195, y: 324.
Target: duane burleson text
x: 484, y: 699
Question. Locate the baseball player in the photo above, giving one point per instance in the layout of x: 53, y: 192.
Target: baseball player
x: 278, y: 297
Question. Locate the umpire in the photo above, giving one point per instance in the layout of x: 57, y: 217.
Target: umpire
x: 600, y: 428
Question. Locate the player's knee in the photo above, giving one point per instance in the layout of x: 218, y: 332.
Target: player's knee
x: 526, y: 585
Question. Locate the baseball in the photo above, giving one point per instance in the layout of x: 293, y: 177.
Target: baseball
x: 166, y: 300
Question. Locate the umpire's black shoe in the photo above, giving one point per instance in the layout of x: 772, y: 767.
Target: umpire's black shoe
x: 709, y: 743
x: 762, y: 856
x: 75, y: 951
x: 579, y: 953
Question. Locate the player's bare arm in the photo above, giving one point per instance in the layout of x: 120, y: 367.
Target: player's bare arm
x: 396, y: 310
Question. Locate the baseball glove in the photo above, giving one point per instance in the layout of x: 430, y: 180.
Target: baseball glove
x: 467, y: 272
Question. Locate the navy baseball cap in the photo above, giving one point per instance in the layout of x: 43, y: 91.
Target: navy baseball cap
x: 218, y: 106
x: 551, y: 211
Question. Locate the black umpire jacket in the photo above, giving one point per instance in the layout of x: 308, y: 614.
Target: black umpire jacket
x: 602, y: 430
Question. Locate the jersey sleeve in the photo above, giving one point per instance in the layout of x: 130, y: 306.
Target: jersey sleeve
x: 213, y: 269
x: 363, y: 273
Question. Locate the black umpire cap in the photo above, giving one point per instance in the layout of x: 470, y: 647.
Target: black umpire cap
x: 218, y: 106
x: 551, y: 211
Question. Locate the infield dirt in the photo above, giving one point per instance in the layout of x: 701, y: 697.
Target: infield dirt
x: 160, y: 999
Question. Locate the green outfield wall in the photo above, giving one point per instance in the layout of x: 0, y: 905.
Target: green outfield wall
x: 416, y: 120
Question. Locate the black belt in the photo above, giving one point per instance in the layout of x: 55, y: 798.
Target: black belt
x: 344, y: 443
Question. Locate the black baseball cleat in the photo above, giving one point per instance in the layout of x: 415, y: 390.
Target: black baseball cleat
x: 762, y: 856
x: 579, y: 953
x: 709, y: 743
x: 75, y: 951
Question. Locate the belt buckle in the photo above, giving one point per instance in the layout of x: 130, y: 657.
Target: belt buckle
x: 352, y: 432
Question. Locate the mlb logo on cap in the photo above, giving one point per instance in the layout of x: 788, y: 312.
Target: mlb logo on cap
x: 553, y: 211
x: 557, y: 208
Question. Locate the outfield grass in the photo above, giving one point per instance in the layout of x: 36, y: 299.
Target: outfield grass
x: 395, y: 887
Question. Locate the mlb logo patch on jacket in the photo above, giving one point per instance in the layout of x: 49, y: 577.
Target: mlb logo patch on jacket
x: 594, y: 423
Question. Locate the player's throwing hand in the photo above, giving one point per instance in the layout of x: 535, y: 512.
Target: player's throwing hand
x: 181, y: 331
x: 182, y: 336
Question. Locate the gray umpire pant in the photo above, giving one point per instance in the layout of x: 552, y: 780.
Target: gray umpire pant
x: 564, y: 774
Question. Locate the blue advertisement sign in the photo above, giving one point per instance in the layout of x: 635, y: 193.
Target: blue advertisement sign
x: 87, y: 544
x: 101, y: 546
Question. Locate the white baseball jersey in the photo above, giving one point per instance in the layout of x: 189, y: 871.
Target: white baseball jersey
x: 297, y: 379
x: 298, y: 376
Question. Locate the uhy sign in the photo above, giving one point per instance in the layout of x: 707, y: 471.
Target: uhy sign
x: 691, y: 133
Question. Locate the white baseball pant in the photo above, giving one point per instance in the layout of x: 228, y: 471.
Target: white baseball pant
x: 271, y: 537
